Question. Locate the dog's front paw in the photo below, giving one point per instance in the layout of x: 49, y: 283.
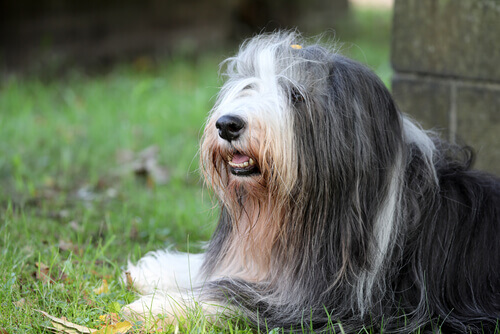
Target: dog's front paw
x: 155, y: 311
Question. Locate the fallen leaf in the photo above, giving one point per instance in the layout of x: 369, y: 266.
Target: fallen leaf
x: 67, y: 246
x: 118, y: 328
x: 3, y: 331
x: 122, y: 327
x: 46, y: 275
x: 42, y: 266
x: 144, y: 165
x: 43, y: 273
x: 103, y: 288
x: 110, y: 318
x: 130, y: 281
x: 64, y: 326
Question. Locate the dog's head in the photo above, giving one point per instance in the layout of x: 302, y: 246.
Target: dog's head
x: 293, y: 118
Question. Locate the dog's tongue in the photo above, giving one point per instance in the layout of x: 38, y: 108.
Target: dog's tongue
x: 240, y: 158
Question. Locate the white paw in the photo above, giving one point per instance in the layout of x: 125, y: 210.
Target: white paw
x: 157, y: 310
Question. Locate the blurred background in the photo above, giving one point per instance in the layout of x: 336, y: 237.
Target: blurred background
x: 62, y: 34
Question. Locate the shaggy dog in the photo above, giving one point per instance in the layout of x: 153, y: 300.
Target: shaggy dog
x: 334, y: 208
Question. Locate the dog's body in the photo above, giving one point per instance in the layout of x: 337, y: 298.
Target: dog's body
x: 334, y: 207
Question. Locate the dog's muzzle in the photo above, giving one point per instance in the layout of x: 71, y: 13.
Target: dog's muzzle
x: 230, y: 128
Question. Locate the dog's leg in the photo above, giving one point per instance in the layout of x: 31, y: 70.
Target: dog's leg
x: 162, y: 309
x: 172, y: 289
x: 165, y: 271
x: 165, y: 280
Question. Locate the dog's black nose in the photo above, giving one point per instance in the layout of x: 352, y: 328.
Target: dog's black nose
x: 230, y: 127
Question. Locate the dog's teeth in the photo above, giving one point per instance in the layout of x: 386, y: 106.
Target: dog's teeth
x: 250, y: 162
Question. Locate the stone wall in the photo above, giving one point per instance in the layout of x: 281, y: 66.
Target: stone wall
x: 446, y: 57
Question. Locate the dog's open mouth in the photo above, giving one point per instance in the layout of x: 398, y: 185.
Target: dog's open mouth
x: 242, y: 165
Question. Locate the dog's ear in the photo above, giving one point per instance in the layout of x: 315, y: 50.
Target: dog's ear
x: 358, y: 86
x: 365, y: 109
x: 365, y: 143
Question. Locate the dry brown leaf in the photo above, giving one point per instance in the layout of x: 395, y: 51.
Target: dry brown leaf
x: 110, y: 318
x: 43, y: 273
x: 63, y: 326
x: 130, y: 281
x: 67, y: 246
x: 3, y: 331
x: 103, y: 288
x: 144, y: 165
x: 42, y: 266
x: 52, y: 329
x: 118, y: 328
x: 122, y: 327
x: 46, y: 275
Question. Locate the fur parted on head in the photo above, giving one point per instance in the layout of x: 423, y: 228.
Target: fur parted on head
x: 335, y: 206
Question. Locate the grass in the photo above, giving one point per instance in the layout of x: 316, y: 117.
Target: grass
x: 72, y: 212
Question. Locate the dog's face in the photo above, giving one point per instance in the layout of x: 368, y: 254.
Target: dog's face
x: 292, y: 119
x: 249, y: 139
